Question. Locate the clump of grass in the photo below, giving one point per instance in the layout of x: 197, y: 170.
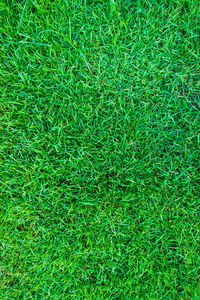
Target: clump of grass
x: 99, y: 149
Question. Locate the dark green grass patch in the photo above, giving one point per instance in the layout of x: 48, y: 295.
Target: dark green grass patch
x: 99, y: 149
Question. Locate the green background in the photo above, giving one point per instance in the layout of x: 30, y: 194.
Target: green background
x: 99, y: 149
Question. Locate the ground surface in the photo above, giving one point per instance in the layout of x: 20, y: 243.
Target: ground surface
x: 99, y: 149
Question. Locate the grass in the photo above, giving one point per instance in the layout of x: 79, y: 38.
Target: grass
x: 99, y: 149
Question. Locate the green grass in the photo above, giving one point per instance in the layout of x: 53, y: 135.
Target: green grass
x: 99, y: 149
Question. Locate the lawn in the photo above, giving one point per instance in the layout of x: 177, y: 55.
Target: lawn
x: 99, y: 149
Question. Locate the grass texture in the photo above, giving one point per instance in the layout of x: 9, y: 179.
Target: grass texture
x: 99, y: 149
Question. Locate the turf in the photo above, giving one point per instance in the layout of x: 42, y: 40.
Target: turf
x: 99, y: 149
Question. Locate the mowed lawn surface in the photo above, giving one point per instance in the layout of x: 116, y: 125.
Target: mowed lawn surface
x: 99, y: 149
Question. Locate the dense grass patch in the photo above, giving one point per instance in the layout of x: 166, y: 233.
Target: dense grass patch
x: 99, y: 149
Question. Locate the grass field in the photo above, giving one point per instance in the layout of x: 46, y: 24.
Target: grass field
x: 99, y: 149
